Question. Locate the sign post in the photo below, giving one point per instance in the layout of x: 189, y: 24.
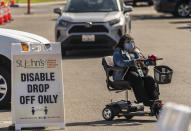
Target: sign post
x: 37, y: 85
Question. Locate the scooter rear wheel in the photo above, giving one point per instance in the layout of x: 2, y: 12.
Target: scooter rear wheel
x: 108, y: 114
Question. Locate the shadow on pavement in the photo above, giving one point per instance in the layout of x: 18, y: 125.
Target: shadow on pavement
x: 87, y: 54
x: 154, y: 17
x: 119, y: 122
x: 12, y: 128
x: 187, y: 26
x: 54, y: 19
x: 184, y: 27
x: 141, y: 5
x: 180, y: 22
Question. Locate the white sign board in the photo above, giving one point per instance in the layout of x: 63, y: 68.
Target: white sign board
x: 174, y: 118
x: 37, y: 85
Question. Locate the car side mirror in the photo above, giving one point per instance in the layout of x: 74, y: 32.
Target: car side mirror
x: 127, y: 9
x: 58, y: 11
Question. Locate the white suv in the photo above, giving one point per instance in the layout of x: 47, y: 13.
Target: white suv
x: 7, y: 37
x: 86, y: 24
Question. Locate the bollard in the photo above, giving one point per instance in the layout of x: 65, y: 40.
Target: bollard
x: 28, y: 7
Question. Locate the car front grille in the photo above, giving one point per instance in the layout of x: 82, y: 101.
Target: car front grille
x: 85, y: 29
x: 101, y: 41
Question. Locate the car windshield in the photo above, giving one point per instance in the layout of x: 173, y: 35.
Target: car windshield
x: 91, y: 6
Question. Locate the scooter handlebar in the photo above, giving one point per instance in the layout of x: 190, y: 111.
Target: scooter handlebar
x: 149, y: 59
x: 159, y: 59
x: 148, y: 62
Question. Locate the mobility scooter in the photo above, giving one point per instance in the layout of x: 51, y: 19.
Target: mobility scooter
x: 125, y: 108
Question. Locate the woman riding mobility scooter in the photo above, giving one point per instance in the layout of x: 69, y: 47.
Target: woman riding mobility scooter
x: 162, y: 75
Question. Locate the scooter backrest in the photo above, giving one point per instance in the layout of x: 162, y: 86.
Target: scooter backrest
x: 107, y: 63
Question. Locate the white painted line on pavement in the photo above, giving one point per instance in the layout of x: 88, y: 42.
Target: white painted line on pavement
x: 5, y: 122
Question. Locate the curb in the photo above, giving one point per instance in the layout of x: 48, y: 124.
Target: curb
x: 42, y: 4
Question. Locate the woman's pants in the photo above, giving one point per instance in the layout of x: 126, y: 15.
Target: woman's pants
x: 145, y: 89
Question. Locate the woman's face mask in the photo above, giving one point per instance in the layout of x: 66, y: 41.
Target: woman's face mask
x: 129, y: 47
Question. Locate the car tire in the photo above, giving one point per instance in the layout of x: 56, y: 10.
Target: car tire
x: 150, y: 3
x: 5, y: 87
x: 63, y: 52
x: 182, y: 10
x: 134, y: 3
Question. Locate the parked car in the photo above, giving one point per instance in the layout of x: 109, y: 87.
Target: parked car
x: 7, y: 37
x: 180, y: 8
x: 134, y: 2
x: 85, y: 24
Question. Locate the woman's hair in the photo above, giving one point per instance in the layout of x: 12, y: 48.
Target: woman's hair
x: 125, y: 38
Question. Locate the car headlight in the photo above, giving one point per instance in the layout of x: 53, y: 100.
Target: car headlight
x: 64, y: 23
x: 113, y: 22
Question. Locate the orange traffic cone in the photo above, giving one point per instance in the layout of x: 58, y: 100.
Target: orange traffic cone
x: 1, y: 16
x: 2, y: 2
x: 5, y: 17
x: 13, y: 4
x: 9, y: 12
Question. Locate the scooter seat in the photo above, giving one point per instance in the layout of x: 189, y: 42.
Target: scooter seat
x: 120, y: 85
x: 109, y: 67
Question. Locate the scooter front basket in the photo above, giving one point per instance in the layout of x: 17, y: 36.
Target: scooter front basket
x: 163, y: 74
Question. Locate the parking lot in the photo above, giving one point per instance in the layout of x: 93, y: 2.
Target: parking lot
x: 84, y: 79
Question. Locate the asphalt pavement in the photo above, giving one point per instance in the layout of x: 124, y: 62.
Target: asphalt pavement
x: 86, y: 93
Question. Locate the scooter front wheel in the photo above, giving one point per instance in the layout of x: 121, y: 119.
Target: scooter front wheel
x: 108, y: 114
x: 158, y: 108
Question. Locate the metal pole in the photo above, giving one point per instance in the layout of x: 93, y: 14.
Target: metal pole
x: 126, y: 95
x: 29, y: 7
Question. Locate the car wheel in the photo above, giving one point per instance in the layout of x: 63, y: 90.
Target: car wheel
x: 108, y: 114
x: 63, y: 52
x: 182, y: 10
x: 134, y: 3
x: 150, y: 3
x: 5, y: 87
